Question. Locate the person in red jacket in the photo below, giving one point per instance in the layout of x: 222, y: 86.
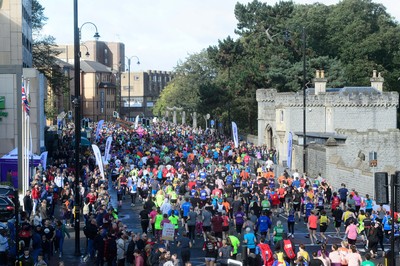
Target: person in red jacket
x: 35, y: 197
x: 264, y: 250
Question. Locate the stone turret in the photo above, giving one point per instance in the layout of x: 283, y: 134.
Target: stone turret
x: 320, y: 82
x: 377, y: 81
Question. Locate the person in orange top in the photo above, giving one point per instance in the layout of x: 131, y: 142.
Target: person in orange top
x: 244, y: 175
x: 281, y: 178
x: 312, y: 225
x: 226, y: 205
x: 281, y: 193
x: 269, y: 174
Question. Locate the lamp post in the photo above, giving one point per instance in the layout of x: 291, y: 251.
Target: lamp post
x: 304, y: 102
x: 77, y: 108
x: 129, y: 82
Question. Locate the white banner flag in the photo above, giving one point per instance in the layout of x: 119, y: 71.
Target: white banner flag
x: 235, y: 134
x: 136, y: 121
x: 99, y: 160
x: 107, y: 149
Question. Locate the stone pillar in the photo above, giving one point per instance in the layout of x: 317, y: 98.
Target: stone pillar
x: 194, y: 117
x: 166, y: 115
x: 183, y: 117
x: 174, y: 116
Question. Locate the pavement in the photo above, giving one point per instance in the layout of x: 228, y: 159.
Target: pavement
x: 130, y: 216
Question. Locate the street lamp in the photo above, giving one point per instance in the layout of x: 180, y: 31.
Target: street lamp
x: 77, y: 108
x: 96, y: 36
x: 87, y: 54
x: 129, y: 82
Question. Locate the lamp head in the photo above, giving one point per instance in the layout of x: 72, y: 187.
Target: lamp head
x: 96, y: 36
x: 87, y: 54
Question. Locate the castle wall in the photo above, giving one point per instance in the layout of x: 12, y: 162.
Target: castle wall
x: 349, y: 163
x: 324, y: 113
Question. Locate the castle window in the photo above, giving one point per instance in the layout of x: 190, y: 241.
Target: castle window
x: 282, y: 116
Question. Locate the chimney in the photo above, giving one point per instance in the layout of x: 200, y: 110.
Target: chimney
x: 320, y: 82
x: 377, y: 81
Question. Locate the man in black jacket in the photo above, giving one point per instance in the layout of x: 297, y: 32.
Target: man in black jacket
x: 28, y: 203
x: 90, y: 231
x: 98, y: 244
x: 132, y: 245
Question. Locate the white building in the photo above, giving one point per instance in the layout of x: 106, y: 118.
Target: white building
x: 342, y: 126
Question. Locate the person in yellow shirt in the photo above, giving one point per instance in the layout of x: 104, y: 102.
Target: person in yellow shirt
x: 303, y: 253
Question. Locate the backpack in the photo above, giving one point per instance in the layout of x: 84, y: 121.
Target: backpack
x: 287, y: 246
x: 274, y: 197
x: 265, y: 204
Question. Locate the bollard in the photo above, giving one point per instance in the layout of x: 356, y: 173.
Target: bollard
x: 244, y: 255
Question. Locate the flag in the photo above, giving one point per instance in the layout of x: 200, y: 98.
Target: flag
x: 136, y: 121
x: 99, y: 127
x: 99, y: 160
x: 43, y: 159
x: 107, y: 149
x: 235, y: 134
x: 25, y: 102
x: 289, y: 153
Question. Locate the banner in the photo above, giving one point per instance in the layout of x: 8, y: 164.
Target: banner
x: 107, y: 149
x: 43, y: 159
x: 136, y: 121
x: 99, y: 161
x: 235, y: 134
x: 168, y: 232
x: 99, y: 127
x: 289, y: 152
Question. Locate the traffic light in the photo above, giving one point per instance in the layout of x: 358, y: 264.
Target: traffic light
x: 381, y: 188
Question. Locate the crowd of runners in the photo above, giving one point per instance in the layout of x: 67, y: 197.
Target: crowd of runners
x: 225, y: 197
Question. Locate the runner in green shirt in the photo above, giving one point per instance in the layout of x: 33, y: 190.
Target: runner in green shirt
x: 367, y: 261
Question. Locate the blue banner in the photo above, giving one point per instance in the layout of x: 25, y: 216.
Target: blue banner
x: 289, y: 152
x: 99, y: 127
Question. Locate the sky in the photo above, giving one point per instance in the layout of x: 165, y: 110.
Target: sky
x: 161, y: 33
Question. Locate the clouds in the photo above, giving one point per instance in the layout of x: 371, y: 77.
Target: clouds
x: 159, y: 32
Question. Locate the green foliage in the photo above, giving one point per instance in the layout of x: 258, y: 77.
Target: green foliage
x: 45, y: 56
x: 348, y: 40
x: 191, y: 87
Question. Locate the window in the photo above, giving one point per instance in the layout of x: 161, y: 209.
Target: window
x: 281, y: 116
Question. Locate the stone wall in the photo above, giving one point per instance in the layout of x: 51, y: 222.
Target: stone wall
x: 349, y: 163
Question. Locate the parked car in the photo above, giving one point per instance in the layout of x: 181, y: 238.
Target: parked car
x: 7, y: 209
x: 9, y: 192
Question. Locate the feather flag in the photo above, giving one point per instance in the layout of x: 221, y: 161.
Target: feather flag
x: 25, y: 101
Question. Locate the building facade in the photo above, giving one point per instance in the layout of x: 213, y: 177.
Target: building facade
x: 342, y: 125
x: 145, y: 88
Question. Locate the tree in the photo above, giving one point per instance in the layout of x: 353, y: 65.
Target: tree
x: 45, y: 56
x: 192, y: 87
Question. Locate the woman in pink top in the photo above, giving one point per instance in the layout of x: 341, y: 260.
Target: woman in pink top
x: 353, y: 258
x: 357, y: 200
x: 351, y: 232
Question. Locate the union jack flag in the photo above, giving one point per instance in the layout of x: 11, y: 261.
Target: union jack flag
x: 25, y: 102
